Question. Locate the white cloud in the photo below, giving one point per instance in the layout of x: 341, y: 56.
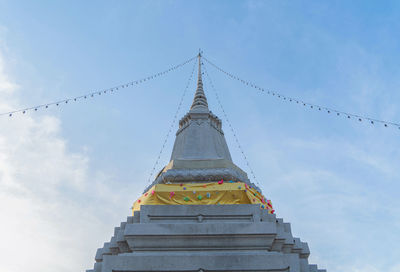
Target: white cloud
x: 50, y: 206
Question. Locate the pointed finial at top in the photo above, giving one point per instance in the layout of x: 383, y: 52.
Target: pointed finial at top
x: 200, y: 100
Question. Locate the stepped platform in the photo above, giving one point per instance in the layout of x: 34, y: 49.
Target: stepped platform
x: 172, y: 238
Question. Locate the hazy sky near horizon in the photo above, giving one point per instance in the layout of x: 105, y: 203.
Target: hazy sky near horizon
x: 69, y: 174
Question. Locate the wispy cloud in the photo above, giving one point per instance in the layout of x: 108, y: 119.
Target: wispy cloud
x: 50, y: 203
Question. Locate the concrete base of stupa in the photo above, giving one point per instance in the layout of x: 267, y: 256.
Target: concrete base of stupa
x: 203, y: 238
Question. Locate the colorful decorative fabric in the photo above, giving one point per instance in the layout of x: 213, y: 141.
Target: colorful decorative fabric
x: 191, y: 194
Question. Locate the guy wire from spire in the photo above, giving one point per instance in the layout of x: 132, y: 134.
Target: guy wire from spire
x: 171, y: 127
x: 360, y: 118
x: 95, y: 93
x: 231, y: 128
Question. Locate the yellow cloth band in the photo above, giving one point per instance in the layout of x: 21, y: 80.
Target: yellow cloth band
x: 213, y: 193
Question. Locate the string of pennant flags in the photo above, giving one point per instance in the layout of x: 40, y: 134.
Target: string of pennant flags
x: 231, y: 127
x: 171, y: 127
x: 276, y: 94
x: 97, y: 92
x: 328, y: 110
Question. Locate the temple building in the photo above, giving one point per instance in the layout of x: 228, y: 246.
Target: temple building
x: 202, y: 213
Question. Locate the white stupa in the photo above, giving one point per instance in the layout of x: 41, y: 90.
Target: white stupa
x: 202, y: 213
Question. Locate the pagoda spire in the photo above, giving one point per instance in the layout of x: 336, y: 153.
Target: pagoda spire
x: 200, y: 151
x: 199, y: 100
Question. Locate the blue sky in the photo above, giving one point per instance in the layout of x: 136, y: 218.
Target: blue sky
x: 69, y: 175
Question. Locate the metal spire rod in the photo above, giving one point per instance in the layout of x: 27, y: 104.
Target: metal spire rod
x: 200, y: 100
